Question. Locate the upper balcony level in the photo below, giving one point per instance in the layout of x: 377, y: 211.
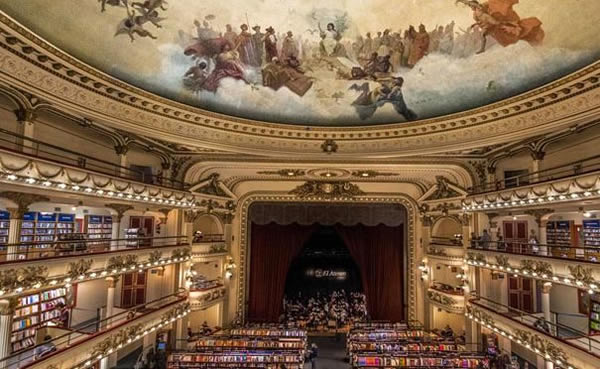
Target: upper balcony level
x: 33, y: 163
x: 574, y: 181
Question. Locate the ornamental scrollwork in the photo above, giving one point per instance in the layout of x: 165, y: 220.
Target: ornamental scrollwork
x: 544, y: 346
x: 181, y: 253
x: 120, y: 262
x: 441, y: 299
x: 79, y: 268
x: 502, y: 260
x: 582, y: 274
x: 327, y: 190
x: 155, y: 256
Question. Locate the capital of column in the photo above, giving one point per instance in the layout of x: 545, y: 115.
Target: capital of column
x: 121, y: 149
x: 25, y: 115
x: 16, y: 213
x: 189, y: 216
x: 120, y: 209
x: 112, y: 281
x: 23, y: 200
x: 8, y: 306
x: 546, y: 287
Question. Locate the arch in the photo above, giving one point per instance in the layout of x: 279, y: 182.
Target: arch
x: 411, y: 256
x: 446, y: 227
x: 208, y: 224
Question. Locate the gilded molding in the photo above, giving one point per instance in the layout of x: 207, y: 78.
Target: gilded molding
x: 326, y: 190
x: 79, y: 268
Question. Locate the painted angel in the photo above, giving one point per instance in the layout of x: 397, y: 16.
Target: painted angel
x: 498, y: 19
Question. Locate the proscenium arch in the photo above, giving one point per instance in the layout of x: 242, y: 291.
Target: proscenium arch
x: 446, y: 227
x: 407, y: 202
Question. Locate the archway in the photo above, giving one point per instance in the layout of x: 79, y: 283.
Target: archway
x: 208, y: 224
x: 446, y: 227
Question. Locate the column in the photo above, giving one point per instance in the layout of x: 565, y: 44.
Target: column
x: 120, y: 210
x: 466, y: 231
x: 26, y: 117
x: 14, y: 232
x: 6, y: 316
x: 547, y: 286
x: 121, y: 150
x: 110, y: 297
x: 536, y: 164
x: 181, y: 326
x: 188, y: 225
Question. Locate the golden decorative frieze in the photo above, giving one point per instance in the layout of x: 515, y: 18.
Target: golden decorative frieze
x: 79, y: 268
x: 327, y: 190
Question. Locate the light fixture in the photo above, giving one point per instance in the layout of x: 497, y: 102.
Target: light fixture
x: 11, y: 177
x: 75, y: 188
x: 30, y: 180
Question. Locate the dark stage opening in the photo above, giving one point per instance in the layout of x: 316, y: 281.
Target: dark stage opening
x: 322, y: 248
x: 323, y: 266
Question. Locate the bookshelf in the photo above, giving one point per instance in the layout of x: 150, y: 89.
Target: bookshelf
x: 236, y: 359
x: 131, y: 234
x: 266, y: 332
x: 98, y: 227
x: 4, y: 227
x: 44, y: 227
x: 33, y: 312
x: 425, y: 361
x: 559, y: 233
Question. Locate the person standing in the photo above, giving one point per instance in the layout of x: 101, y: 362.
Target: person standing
x: 270, y: 45
x: 314, y: 353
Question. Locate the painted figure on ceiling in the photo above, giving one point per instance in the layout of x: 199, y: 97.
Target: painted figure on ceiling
x: 270, y: 45
x: 498, y: 19
x: 385, y: 93
x: 258, y: 45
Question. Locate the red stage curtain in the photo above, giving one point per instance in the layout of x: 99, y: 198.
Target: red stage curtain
x: 273, y: 247
x: 378, y: 253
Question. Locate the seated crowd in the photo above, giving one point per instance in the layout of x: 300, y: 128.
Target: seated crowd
x: 333, y: 311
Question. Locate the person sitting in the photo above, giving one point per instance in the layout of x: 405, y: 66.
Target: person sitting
x: 205, y: 329
x: 45, y: 348
x: 542, y: 324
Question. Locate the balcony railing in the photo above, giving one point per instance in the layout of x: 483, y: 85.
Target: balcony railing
x: 565, y: 252
x: 72, y: 338
x: 566, y: 334
x: 574, y: 168
x: 210, y: 237
x: 16, y: 143
x: 446, y: 241
x: 31, y: 251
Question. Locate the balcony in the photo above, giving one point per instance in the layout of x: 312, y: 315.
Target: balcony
x: 82, y: 245
x: 201, y: 299
x: 210, y: 246
x: 558, y: 252
x: 51, y: 268
x: 566, y: 335
x: 570, y: 182
x: 48, y: 167
x: 18, y: 144
x: 98, y: 339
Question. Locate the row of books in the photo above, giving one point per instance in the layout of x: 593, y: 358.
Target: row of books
x: 398, y: 347
x: 424, y: 361
x: 242, y: 343
x: 268, y: 332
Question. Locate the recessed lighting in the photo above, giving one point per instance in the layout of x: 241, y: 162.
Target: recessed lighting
x: 129, y: 196
x: 75, y: 188
x: 88, y: 190
x: 11, y: 177
x: 30, y: 180
x: 110, y: 193
x: 120, y: 195
x: 47, y: 183
x: 100, y: 192
x: 62, y: 185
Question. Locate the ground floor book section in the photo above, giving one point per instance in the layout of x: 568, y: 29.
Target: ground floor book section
x: 245, y: 348
x: 372, y: 347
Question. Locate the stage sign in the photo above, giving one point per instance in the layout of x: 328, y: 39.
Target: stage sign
x: 318, y: 273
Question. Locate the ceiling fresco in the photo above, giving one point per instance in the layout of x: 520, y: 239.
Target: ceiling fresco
x: 324, y: 62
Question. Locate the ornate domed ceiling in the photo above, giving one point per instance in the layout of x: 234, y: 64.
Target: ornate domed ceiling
x: 324, y: 62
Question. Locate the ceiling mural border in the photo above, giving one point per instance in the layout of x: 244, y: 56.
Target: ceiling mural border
x: 32, y: 63
x: 406, y: 201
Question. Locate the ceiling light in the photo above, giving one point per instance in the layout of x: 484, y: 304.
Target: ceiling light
x: 75, y: 188
x: 110, y: 193
x: 119, y: 195
x: 562, y: 197
x: 11, y: 177
x: 47, y: 183
x: 88, y: 190
x: 587, y: 194
x: 62, y: 186
x: 30, y: 180
x: 587, y: 214
x: 550, y: 198
x: 100, y: 192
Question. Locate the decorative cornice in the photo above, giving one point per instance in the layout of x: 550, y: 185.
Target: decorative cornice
x: 284, y: 172
x: 327, y: 190
x: 64, y: 81
x: 79, y: 268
